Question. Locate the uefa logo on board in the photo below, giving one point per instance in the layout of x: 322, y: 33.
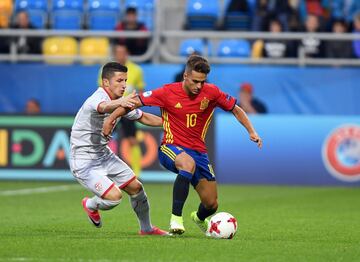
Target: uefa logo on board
x: 341, y: 153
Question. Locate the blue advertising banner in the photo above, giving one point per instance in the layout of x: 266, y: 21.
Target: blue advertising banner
x: 298, y: 150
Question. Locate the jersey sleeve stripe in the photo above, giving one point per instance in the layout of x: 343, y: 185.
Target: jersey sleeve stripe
x: 206, y: 126
x: 169, y: 136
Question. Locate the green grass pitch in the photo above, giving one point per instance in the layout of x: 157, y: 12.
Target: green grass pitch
x: 276, y: 223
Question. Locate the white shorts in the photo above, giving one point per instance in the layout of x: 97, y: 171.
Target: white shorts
x: 99, y: 175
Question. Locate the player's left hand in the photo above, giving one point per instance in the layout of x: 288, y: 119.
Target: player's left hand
x: 108, y: 126
x: 257, y: 139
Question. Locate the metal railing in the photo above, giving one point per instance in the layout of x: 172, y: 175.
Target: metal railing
x: 159, y: 48
x: 220, y: 35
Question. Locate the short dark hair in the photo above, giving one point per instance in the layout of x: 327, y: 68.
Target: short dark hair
x: 110, y: 68
x: 198, y: 64
x: 131, y: 10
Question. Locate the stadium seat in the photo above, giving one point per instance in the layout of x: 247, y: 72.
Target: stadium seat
x: 103, y: 14
x: 202, y: 14
x: 58, y: 46
x: 189, y: 46
x: 237, y: 21
x: 6, y: 9
x: 95, y: 46
x: 37, y: 10
x: 234, y: 48
x: 67, y: 14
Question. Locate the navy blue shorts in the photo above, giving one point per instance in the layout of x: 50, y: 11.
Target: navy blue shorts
x: 203, y: 170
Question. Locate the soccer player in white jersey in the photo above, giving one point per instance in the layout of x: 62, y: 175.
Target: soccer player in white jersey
x: 92, y: 162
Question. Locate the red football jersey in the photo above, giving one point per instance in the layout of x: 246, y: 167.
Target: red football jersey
x: 186, y: 119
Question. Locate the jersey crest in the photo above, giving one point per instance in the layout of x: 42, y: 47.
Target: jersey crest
x: 204, y: 103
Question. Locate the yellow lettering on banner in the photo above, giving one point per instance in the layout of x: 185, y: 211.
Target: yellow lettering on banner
x: 3, y: 147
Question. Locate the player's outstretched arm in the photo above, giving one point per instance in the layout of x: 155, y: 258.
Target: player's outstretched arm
x: 118, y: 112
x: 150, y: 120
x: 244, y: 120
x: 110, y: 106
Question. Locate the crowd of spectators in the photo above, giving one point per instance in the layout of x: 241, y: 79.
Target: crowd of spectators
x: 307, y: 16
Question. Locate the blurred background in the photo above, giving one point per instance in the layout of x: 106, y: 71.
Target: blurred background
x: 293, y: 66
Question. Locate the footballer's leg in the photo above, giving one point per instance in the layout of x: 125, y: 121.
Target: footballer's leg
x: 207, y: 191
x: 90, y: 174
x: 178, y: 161
x: 119, y: 172
x: 140, y: 205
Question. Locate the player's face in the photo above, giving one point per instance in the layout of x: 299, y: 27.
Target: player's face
x: 117, y: 84
x: 194, y: 82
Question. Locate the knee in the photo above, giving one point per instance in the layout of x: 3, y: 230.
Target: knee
x: 134, y: 187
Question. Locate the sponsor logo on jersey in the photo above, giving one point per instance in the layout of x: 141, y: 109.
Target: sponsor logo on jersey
x: 147, y: 93
x: 204, y: 103
x: 178, y: 105
x: 341, y: 153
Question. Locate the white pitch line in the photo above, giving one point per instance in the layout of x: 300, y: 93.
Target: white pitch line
x: 38, y: 190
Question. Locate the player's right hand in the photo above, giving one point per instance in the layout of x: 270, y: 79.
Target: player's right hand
x: 128, y: 101
x: 257, y: 139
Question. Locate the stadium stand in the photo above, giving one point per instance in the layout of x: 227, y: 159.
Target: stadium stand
x: 59, y: 46
x: 202, y: 14
x: 103, y: 14
x: 94, y: 46
x: 67, y: 14
x: 189, y: 46
x: 36, y: 9
x: 234, y: 48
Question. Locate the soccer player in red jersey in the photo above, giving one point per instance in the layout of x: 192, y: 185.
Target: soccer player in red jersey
x: 187, y: 108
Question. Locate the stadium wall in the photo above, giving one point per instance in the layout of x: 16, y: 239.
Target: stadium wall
x: 298, y: 150
x: 285, y: 90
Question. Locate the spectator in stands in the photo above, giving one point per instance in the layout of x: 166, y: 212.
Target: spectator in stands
x: 4, y: 42
x: 261, y: 17
x: 338, y: 48
x: 248, y: 102
x: 33, y: 107
x: 136, y: 46
x: 312, y: 46
x: 26, y: 45
x: 274, y: 48
x: 356, y: 43
x: 294, y: 19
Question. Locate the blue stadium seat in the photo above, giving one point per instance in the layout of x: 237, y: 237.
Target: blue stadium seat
x: 67, y: 14
x: 37, y: 10
x: 238, y: 20
x: 202, y: 14
x: 234, y: 48
x: 189, y: 46
x: 145, y: 9
x: 103, y: 14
